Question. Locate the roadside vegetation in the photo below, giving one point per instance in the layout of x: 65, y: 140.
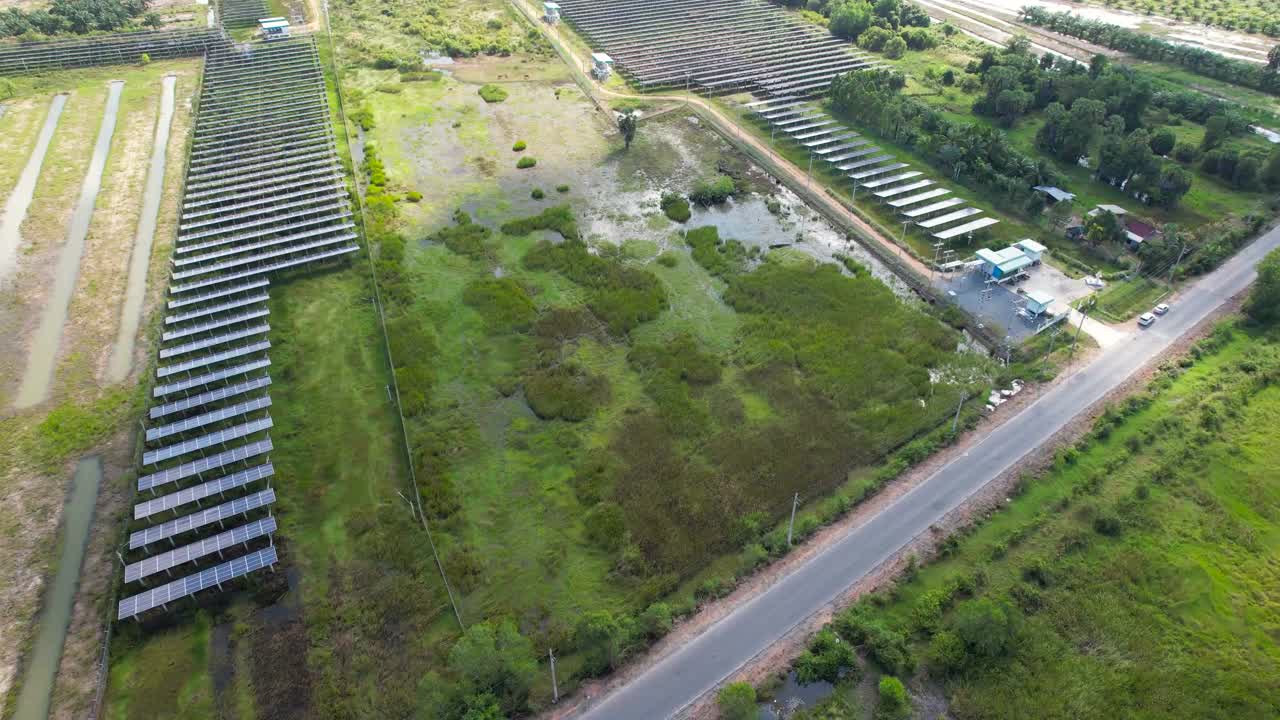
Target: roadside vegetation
x: 1137, y: 560
x: 1252, y: 16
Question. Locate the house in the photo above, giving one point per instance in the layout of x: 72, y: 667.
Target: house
x: 1075, y: 229
x: 1033, y: 249
x: 1053, y: 194
x: 1038, y: 303
x: 551, y: 12
x: 601, y: 65
x: 1116, y: 210
x: 274, y: 28
x: 1003, y: 264
x: 1137, y: 232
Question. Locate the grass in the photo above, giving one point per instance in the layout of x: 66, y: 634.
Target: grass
x: 1124, y: 299
x: 1137, y: 561
x: 166, y: 678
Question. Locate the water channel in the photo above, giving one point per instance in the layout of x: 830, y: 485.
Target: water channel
x: 15, y: 208
x: 44, y: 346
x: 131, y: 315
x: 42, y: 662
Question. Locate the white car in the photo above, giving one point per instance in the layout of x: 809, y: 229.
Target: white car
x: 1146, y: 319
x: 1161, y: 309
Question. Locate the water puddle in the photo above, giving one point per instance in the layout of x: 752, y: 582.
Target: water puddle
x: 15, y: 208
x: 793, y: 697
x: 44, y: 347
x: 42, y: 664
x: 122, y: 354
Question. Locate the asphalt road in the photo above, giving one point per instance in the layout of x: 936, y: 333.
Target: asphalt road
x: 684, y: 675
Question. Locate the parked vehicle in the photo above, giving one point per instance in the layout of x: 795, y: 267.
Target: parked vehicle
x: 1146, y: 319
x: 1161, y: 309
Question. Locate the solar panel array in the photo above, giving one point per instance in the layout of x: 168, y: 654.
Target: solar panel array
x: 264, y: 193
x: 242, y: 13
x: 918, y: 199
x: 714, y: 46
x: 114, y: 49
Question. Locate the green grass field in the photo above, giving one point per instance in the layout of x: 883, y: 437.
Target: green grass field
x: 1134, y: 573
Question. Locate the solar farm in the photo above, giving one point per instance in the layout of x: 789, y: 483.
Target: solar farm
x: 718, y: 47
x: 264, y: 193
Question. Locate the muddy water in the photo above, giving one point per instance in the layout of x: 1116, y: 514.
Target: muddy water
x: 122, y: 354
x: 41, y: 665
x: 44, y: 347
x: 793, y: 697
x: 15, y: 208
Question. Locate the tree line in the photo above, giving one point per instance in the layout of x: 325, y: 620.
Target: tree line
x: 1198, y: 60
x: 886, y: 26
x: 76, y: 17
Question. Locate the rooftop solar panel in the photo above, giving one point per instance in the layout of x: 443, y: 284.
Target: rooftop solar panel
x: 199, y: 519
x: 201, y: 548
x: 178, y: 589
x: 204, y: 398
x: 195, y: 493
x: 195, y: 467
x: 204, y: 441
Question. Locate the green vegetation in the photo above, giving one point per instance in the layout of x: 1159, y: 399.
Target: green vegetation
x: 1263, y: 306
x: 559, y: 218
x: 1137, y: 560
x: 713, y: 192
x: 537, y: 194
x: 456, y: 29
x: 526, y: 162
x: 77, y: 17
x: 737, y: 701
x: 492, y: 93
x: 1253, y: 16
x: 519, y: 146
x: 675, y: 207
x: 562, y: 188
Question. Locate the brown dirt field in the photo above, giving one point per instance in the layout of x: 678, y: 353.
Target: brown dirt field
x: 30, y: 514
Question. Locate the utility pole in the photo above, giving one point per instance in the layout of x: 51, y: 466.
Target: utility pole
x: 686, y: 88
x: 955, y: 421
x: 809, y: 178
x: 1084, y: 314
x: 791, y: 525
x: 1181, y: 252
x: 555, y: 689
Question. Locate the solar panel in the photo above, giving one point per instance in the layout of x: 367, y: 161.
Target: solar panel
x: 195, y: 520
x: 215, y: 376
x: 272, y: 267
x: 202, y: 491
x: 199, y: 443
x: 226, y: 413
x: 933, y: 207
x: 876, y: 171
x: 205, y: 398
x: 893, y: 191
x: 196, y: 550
x: 217, y: 322
x: 212, y: 359
x: 195, y: 467
x: 205, y: 343
x: 192, y: 584
x: 912, y: 200
x: 949, y: 217
x: 892, y: 179
x: 230, y: 290
x: 966, y: 228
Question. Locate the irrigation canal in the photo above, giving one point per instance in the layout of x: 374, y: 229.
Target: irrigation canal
x: 15, y: 208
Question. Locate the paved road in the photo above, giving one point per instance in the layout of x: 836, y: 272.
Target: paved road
x: 687, y: 673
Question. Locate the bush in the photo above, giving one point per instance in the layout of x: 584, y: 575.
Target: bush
x: 565, y: 392
x: 465, y: 237
x: 737, y: 701
x: 947, y: 653
x: 720, y: 258
x: 413, y: 196
x: 675, y: 207
x: 987, y: 628
x: 893, y: 703
x: 558, y: 218
x: 519, y: 146
x: 713, y: 192
x: 605, y: 526
x: 537, y: 194
x: 621, y: 296
x: 825, y: 660
x: 668, y: 259
x: 562, y: 188
x: 526, y: 162
x: 492, y: 93
x: 895, y: 47
x: 656, y: 620
x: 502, y: 302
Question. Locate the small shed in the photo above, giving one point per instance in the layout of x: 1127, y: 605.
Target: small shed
x: 601, y: 65
x: 274, y: 28
x: 1003, y: 264
x: 1055, y: 194
x: 1138, y: 232
x: 1113, y: 209
x: 551, y: 12
x: 1033, y: 249
x: 1038, y: 303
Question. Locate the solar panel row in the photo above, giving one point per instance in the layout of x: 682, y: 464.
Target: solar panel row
x: 192, y: 584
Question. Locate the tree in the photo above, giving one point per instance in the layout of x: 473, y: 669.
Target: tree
x: 1273, y: 58
x: 1270, y: 172
x: 627, y: 124
x: 1215, y: 130
x: 850, y: 19
x: 1246, y: 172
x: 893, y: 703
x: 825, y: 659
x: 152, y: 20
x: 1172, y: 183
x: 738, y: 702
x: 1263, y: 305
x: 894, y: 47
x: 1097, y: 64
x: 889, y: 10
x: 948, y: 77
x: 597, y: 637
x: 1102, y: 228
x: 497, y: 660
x: 1162, y: 143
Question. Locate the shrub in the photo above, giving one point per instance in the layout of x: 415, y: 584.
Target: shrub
x: 894, y: 47
x: 537, y: 194
x: 720, y: 258
x: 465, y: 237
x: 675, y: 207
x: 502, y: 302
x: 947, y: 653
x: 492, y: 93
x: 656, y: 620
x: 413, y: 196
x: 621, y: 296
x: 420, y: 75
x: 986, y: 627
x: 668, y: 259
x: 605, y: 526
x: 713, y: 192
x: 519, y: 146
x: 526, y: 162
x: 566, y: 392
x: 824, y: 660
x: 1107, y: 524
x: 558, y: 218
x: 892, y: 703
x: 737, y: 701
x: 562, y: 188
